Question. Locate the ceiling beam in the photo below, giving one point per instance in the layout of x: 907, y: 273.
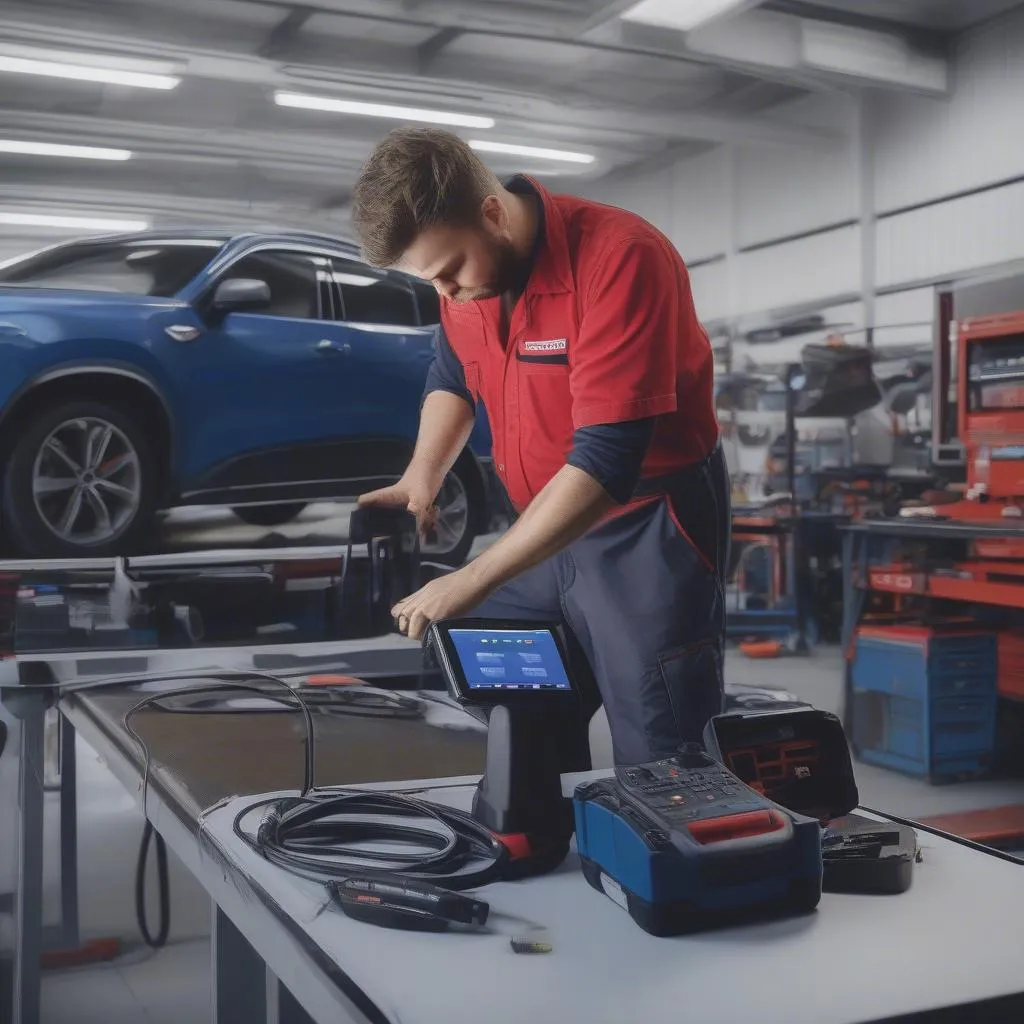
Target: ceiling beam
x: 165, y: 208
x: 594, y: 34
x: 177, y: 143
x: 285, y: 32
x: 766, y: 43
x: 518, y: 112
x: 925, y: 37
x: 431, y: 48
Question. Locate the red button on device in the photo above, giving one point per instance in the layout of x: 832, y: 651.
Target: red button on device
x: 737, y: 826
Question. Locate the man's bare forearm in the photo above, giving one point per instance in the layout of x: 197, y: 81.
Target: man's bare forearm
x: 446, y: 421
x: 570, y: 504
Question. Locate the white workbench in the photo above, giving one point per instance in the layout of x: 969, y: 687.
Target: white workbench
x: 957, y: 937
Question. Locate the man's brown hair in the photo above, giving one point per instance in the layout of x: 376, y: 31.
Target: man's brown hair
x: 415, y: 179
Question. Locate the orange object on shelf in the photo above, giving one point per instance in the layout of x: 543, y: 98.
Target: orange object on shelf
x: 329, y: 679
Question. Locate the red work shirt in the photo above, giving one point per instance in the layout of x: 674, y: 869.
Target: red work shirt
x: 604, y: 332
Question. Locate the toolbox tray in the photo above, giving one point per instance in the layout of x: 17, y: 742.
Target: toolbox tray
x: 869, y: 856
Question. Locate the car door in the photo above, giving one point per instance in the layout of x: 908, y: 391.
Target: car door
x: 275, y: 381
x: 387, y: 353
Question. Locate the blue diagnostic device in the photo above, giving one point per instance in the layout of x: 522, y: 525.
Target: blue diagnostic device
x: 683, y: 845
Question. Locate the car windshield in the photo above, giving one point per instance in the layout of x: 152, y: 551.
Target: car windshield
x: 160, y: 267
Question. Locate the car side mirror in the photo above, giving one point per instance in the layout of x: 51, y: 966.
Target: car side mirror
x: 240, y: 293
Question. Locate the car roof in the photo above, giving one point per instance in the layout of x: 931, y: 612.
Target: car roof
x: 210, y: 235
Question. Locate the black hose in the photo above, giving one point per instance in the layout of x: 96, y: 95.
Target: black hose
x: 163, y: 888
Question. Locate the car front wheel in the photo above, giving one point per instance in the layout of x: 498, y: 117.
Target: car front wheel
x: 458, y: 511
x: 81, y: 481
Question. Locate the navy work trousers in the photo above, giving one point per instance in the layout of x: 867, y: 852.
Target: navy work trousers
x: 642, y: 601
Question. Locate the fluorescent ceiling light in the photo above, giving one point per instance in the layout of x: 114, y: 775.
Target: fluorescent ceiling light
x: 60, y: 150
x: 53, y: 220
x: 85, y: 72
x: 537, y: 152
x: 684, y: 15
x: 385, y: 110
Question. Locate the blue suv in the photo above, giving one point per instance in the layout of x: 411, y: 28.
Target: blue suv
x: 259, y: 372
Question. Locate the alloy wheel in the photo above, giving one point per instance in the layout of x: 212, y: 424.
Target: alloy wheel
x: 452, y: 519
x: 87, y: 481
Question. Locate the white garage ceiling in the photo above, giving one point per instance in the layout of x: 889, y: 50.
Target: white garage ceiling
x: 568, y: 75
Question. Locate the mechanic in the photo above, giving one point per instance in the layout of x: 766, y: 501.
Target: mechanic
x: 574, y: 324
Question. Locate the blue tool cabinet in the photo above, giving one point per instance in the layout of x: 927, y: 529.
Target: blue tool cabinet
x: 924, y: 700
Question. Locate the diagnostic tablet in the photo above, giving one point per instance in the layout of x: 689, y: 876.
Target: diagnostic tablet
x: 497, y: 661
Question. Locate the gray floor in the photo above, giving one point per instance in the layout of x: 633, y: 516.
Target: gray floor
x: 173, y: 986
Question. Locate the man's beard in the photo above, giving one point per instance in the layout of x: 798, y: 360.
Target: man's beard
x: 509, y: 275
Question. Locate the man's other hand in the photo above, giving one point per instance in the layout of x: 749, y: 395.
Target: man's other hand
x: 413, y: 495
x: 445, y: 598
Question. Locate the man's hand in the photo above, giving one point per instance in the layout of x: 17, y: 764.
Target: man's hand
x: 445, y: 598
x: 411, y: 493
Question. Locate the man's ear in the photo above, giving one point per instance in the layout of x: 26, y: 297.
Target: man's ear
x: 494, y: 215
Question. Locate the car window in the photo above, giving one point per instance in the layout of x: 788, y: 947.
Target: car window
x: 157, y: 268
x: 429, y: 303
x: 293, y: 279
x: 371, y: 297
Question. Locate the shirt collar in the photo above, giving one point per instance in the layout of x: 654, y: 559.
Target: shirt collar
x: 552, y: 269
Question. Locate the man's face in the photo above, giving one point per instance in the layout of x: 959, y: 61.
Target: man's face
x: 467, y: 264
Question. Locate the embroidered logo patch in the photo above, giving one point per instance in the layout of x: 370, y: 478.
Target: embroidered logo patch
x: 554, y: 345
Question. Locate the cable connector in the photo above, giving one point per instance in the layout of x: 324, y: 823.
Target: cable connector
x: 270, y: 822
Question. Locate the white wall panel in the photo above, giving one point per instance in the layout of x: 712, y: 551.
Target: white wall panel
x: 952, y: 238
x: 710, y: 286
x: 929, y: 148
x: 807, y: 271
x: 904, y: 318
x: 645, y: 192
x: 686, y: 199
x: 783, y: 192
x: 699, y: 210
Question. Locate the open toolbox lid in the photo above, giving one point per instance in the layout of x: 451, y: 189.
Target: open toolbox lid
x: 797, y: 757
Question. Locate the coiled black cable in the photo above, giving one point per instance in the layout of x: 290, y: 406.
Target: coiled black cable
x: 323, y: 836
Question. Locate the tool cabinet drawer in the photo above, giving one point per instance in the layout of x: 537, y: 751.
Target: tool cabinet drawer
x: 963, y: 709
x: 895, y: 668
x: 963, y: 738
x: 931, y: 738
x: 948, y: 662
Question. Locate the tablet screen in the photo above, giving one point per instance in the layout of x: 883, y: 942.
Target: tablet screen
x: 509, y: 659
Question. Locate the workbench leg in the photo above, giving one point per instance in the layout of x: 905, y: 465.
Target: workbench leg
x: 69, y: 937
x: 28, y: 940
x: 239, y: 989
x: 283, y: 1007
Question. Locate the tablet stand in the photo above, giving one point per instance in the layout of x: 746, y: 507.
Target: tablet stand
x: 520, y: 795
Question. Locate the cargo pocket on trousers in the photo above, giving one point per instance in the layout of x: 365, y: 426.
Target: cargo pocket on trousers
x: 693, y: 678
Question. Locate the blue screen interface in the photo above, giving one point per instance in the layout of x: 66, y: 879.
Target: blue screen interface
x: 506, y: 659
